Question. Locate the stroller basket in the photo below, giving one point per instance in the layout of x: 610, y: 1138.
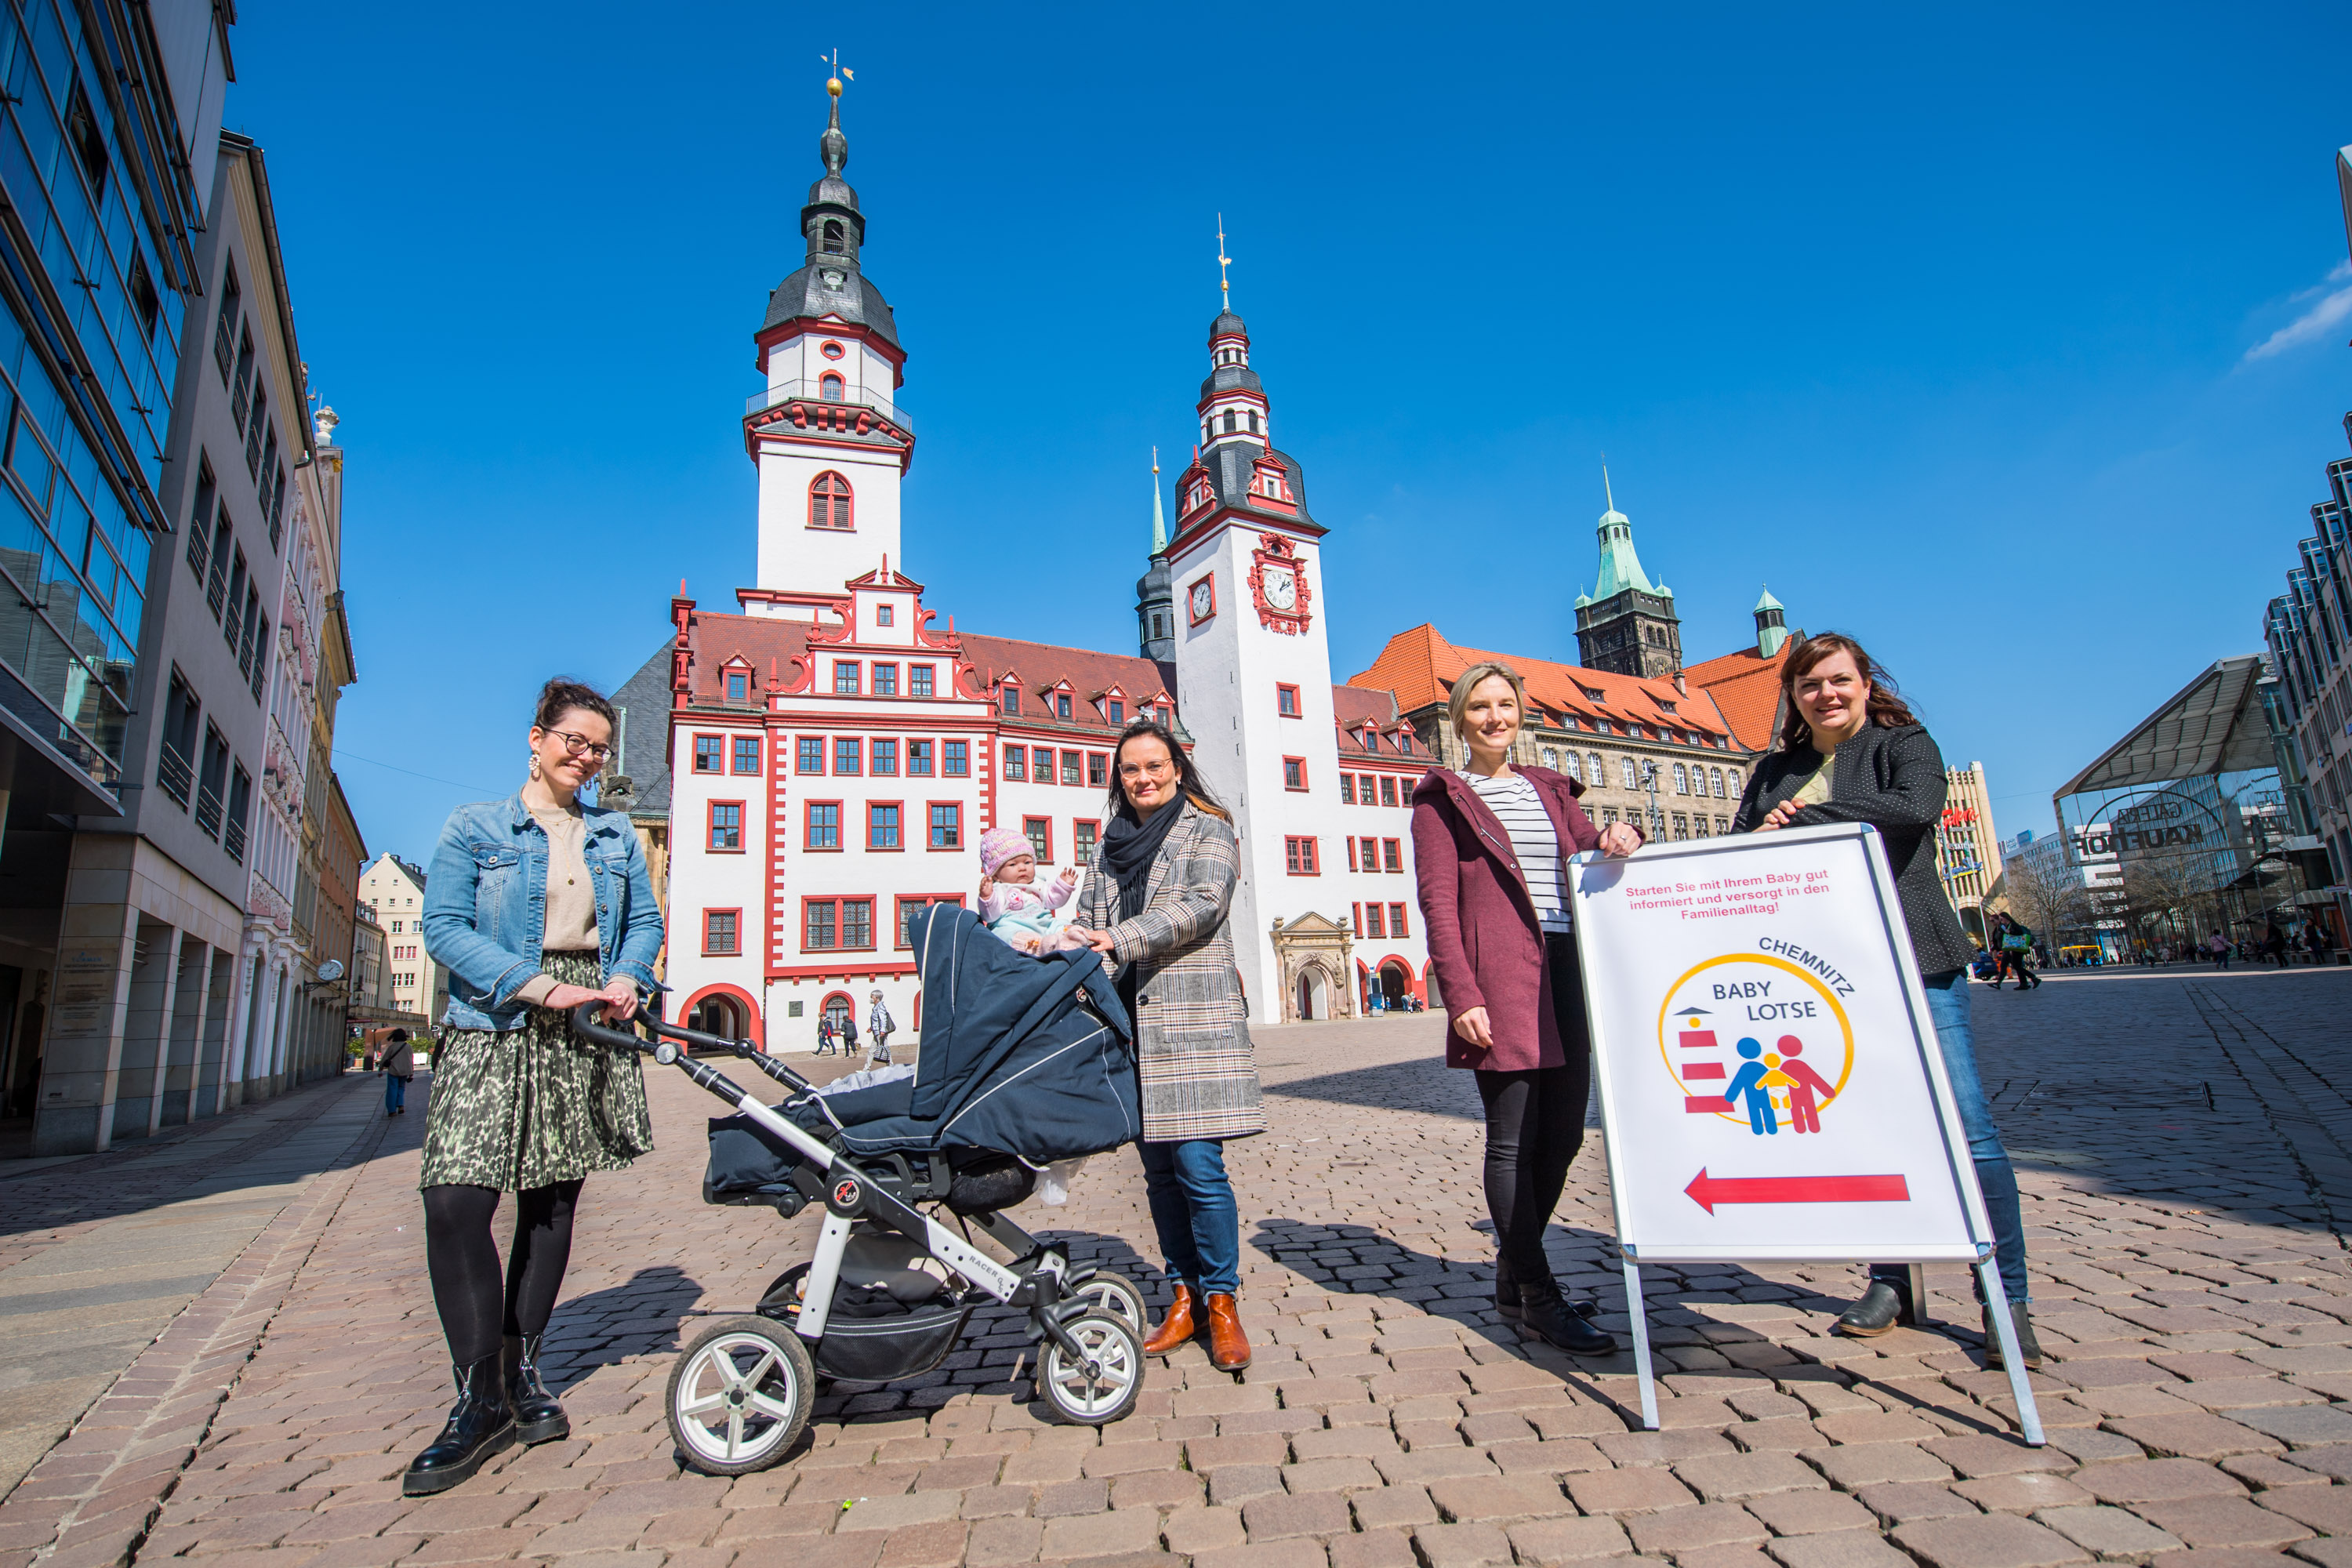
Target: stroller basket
x: 751, y: 1165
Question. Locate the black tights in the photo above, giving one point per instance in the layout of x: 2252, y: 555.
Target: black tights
x: 463, y: 1258
x: 1535, y: 1125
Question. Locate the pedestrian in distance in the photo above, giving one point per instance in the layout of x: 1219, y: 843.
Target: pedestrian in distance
x: 1851, y: 751
x: 398, y: 1065
x: 1155, y: 905
x: 2274, y: 944
x: 824, y: 1034
x: 536, y: 904
x: 879, y: 1025
x: 2016, y: 951
x: 2219, y: 948
x: 1491, y: 847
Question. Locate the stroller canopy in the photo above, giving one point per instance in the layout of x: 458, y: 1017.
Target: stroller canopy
x: 1024, y: 1054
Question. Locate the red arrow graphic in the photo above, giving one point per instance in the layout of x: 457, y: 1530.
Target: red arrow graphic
x: 1708, y: 1191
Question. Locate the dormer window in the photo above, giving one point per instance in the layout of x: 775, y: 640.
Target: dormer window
x: 831, y: 387
x: 884, y: 614
x: 1011, y: 702
x: 1062, y: 705
x: 833, y: 239
x: 739, y: 685
x: 1114, y: 711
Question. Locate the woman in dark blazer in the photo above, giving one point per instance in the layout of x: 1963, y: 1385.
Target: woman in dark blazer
x: 1491, y: 844
x: 1849, y: 750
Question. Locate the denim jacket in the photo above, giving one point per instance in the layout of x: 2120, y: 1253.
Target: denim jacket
x: 485, y: 907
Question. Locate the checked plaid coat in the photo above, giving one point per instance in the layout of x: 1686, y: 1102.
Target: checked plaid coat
x: 1199, y: 1071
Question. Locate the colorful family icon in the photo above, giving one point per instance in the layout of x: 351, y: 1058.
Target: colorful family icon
x: 1762, y: 1072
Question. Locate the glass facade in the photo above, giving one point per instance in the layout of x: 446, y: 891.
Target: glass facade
x: 89, y: 345
x: 2309, y: 633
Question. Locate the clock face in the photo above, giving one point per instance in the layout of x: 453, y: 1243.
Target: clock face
x: 1281, y: 587
x: 1205, y: 599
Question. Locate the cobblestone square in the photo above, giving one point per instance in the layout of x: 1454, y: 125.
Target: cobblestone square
x: 2184, y: 1138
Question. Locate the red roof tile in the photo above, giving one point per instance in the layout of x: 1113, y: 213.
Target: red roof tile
x: 1746, y: 686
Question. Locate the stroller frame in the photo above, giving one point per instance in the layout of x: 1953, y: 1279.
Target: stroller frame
x: 1094, y: 1342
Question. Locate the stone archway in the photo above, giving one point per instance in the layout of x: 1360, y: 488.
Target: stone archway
x: 1312, y: 953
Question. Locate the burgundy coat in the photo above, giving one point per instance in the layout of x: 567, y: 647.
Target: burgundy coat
x: 1479, y: 921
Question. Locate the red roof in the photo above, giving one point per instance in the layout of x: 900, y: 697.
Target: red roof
x: 1746, y: 686
x: 1421, y: 667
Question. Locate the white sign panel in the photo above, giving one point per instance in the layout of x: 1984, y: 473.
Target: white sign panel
x: 1769, y: 1079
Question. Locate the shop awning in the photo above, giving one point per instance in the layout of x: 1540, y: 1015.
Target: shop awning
x: 2215, y: 725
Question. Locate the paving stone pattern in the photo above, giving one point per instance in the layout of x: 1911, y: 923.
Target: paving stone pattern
x: 2182, y: 1136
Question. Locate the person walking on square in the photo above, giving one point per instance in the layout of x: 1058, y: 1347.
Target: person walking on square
x: 536, y: 904
x: 879, y: 1024
x: 1851, y: 752
x: 823, y: 1032
x: 1155, y: 905
x: 398, y: 1065
x: 1491, y: 846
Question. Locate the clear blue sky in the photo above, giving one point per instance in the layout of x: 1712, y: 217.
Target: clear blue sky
x: 1951, y: 326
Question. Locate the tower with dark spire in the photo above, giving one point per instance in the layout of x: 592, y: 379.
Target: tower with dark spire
x: 1155, y: 601
x: 1627, y: 625
x: 830, y: 440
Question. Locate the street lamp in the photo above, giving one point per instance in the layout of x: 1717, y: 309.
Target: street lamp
x: 1650, y: 782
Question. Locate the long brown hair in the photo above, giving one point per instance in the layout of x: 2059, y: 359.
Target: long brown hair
x: 1188, y: 776
x: 1885, y: 709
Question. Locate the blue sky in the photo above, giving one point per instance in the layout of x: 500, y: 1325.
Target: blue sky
x: 2013, y: 342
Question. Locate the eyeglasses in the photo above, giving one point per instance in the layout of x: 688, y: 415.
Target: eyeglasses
x: 1158, y: 770
x: 582, y: 746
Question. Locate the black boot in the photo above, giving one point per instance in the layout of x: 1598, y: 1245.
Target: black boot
x: 539, y: 1414
x: 1881, y: 1308
x: 481, y: 1425
x: 2029, y: 1349
x: 1507, y: 1291
x: 1545, y: 1313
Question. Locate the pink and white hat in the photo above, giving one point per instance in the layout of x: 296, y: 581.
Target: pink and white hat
x: 999, y: 845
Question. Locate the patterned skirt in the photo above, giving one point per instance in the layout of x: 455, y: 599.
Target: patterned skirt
x: 533, y: 1106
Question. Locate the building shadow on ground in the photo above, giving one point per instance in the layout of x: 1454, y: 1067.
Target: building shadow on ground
x: 646, y: 1316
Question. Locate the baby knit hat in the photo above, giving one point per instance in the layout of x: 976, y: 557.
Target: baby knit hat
x: 999, y: 845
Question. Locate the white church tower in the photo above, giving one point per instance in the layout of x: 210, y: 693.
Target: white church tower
x: 1254, y: 668
x: 829, y: 442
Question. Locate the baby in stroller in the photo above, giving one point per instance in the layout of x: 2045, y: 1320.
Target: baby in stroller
x: 1011, y: 903
x: 1024, y: 1064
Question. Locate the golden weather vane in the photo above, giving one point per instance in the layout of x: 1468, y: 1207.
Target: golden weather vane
x: 1224, y: 287
x: 835, y: 72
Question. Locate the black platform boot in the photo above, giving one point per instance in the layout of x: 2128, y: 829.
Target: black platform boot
x: 1882, y: 1306
x: 1544, y: 1312
x: 539, y: 1414
x: 481, y: 1425
x: 2029, y: 1349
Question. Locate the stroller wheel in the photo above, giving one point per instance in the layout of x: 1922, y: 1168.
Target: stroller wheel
x: 739, y: 1395
x: 1101, y: 1396
x: 1115, y: 1295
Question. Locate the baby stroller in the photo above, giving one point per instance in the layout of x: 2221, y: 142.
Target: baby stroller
x: 1024, y: 1062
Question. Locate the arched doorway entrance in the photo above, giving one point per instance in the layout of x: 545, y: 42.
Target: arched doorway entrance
x: 721, y: 1015
x: 837, y: 1011
x: 1314, y: 992
x: 1396, y: 983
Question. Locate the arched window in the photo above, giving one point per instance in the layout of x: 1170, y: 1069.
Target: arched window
x: 1717, y: 774
x: 1682, y: 780
x: 832, y: 236
x: 1593, y: 770
x: 1732, y: 777
x: 1551, y: 759
x: 1574, y: 771
x: 1633, y: 779
x: 829, y: 501
x: 830, y: 387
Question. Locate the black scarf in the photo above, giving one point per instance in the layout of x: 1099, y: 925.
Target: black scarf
x: 1129, y: 849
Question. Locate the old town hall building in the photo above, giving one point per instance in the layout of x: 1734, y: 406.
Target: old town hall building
x: 822, y: 757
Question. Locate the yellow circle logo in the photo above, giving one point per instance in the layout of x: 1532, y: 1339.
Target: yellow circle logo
x: 1756, y: 1040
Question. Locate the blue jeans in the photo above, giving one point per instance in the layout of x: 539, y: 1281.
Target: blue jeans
x: 396, y: 1093
x: 1192, y: 1209
x: 1947, y: 1006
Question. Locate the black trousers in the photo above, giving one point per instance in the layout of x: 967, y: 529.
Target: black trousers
x: 1535, y: 1125
x: 477, y: 1307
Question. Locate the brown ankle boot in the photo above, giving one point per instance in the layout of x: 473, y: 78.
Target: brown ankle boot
x: 1229, y: 1348
x: 1177, y: 1327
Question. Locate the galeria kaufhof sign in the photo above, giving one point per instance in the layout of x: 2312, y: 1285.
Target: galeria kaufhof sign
x: 2166, y: 821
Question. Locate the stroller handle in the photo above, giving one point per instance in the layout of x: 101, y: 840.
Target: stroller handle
x: 585, y: 1025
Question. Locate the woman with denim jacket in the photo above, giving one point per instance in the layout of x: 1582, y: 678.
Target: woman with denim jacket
x: 535, y: 904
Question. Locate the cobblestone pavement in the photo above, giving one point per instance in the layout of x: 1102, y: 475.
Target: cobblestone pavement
x: 2183, y: 1143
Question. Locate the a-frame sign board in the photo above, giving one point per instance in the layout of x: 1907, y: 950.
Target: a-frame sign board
x: 1770, y: 1084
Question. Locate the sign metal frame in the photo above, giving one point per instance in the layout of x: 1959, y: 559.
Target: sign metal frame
x: 1594, y: 875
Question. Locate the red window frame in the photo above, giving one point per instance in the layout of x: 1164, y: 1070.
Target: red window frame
x: 1371, y: 853
x: 1286, y: 700
x: 898, y: 827
x: 1294, y: 773
x: 1039, y: 831
x: 718, y: 744
x: 808, y: 827
x: 1086, y: 836
x: 832, y: 503
x: 1374, y: 928
x: 1097, y: 769
x: 1009, y: 701
x: 1051, y: 773
x: 734, y: 934
x: 1015, y: 765
x: 930, y: 826
x: 1348, y: 797
x: 1356, y: 919
x: 711, y: 823
x: 1396, y: 920
x: 904, y: 904
x: 959, y: 754
x: 1351, y: 852
x: 857, y: 669
x: 882, y: 758
x: 884, y: 673
x: 811, y: 747
x: 838, y: 905
x: 731, y: 680
x: 1073, y: 769
x: 1298, y: 856
x: 885, y: 615
x: 1392, y: 855
x: 852, y: 748
x: 1064, y: 706
x: 925, y: 676
x: 736, y: 751
x: 1388, y: 790
x: 929, y: 757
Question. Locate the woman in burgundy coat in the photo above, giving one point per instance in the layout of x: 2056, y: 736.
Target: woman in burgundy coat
x: 1491, y: 844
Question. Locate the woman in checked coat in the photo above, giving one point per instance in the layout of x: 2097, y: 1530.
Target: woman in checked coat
x: 1154, y: 905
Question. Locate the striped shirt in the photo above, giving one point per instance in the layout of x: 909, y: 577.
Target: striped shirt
x: 1534, y: 841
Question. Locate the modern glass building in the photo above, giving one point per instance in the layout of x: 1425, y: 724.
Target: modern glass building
x: 2309, y: 629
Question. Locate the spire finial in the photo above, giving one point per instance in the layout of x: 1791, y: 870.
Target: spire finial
x: 1159, y: 518
x: 1224, y: 286
x: 1607, y: 494
x: 835, y: 148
